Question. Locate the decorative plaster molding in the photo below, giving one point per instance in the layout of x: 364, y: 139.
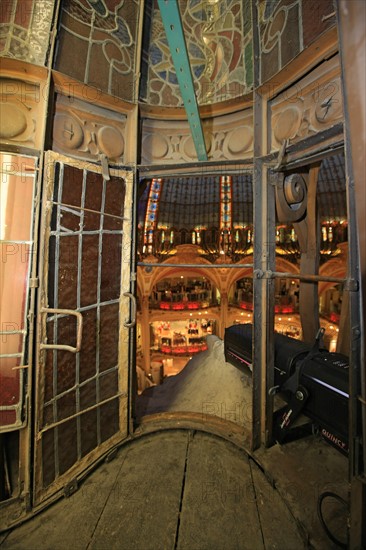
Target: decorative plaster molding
x: 311, y: 106
x: 228, y: 137
x: 87, y: 131
x: 21, y: 106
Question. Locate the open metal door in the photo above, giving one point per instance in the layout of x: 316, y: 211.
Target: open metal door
x: 83, y: 320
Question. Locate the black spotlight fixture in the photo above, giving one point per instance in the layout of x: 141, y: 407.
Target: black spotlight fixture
x: 310, y: 380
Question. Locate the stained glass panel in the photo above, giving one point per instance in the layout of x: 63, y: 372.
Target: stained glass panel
x: 219, y: 49
x: 286, y: 27
x: 25, y: 29
x: 97, y: 44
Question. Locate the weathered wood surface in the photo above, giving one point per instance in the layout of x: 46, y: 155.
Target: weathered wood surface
x: 176, y: 489
x: 218, y: 505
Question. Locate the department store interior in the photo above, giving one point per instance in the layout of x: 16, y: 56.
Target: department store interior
x: 185, y: 308
x: 175, y: 173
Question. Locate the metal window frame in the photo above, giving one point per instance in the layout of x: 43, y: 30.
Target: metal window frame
x: 126, y: 309
x: 21, y: 408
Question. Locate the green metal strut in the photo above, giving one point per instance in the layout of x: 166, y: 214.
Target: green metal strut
x: 172, y: 22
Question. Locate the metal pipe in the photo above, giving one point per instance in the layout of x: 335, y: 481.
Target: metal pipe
x: 312, y: 278
x: 83, y: 209
x: 193, y: 266
x: 225, y: 164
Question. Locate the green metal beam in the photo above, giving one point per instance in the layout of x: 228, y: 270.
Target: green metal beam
x: 172, y: 22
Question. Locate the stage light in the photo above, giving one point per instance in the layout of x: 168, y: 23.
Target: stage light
x: 312, y: 381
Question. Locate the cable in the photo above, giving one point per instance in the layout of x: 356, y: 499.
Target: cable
x: 321, y: 498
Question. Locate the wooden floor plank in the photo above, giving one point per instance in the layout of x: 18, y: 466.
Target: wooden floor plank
x: 219, y: 509
x: 279, y: 529
x: 302, y: 470
x: 168, y: 490
x: 69, y: 522
x: 143, y: 509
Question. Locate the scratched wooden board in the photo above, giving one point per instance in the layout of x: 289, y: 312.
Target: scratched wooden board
x: 279, y: 528
x: 143, y: 508
x: 219, y: 508
x: 70, y: 522
x: 174, y: 489
x: 302, y: 470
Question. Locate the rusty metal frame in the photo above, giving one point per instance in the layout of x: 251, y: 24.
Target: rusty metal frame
x: 307, y: 153
x: 264, y: 260
x: 124, y: 360
x: 352, y: 38
x: 264, y: 302
x: 193, y: 266
x: 79, y: 333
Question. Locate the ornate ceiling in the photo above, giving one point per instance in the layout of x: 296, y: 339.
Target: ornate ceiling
x: 204, y: 206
